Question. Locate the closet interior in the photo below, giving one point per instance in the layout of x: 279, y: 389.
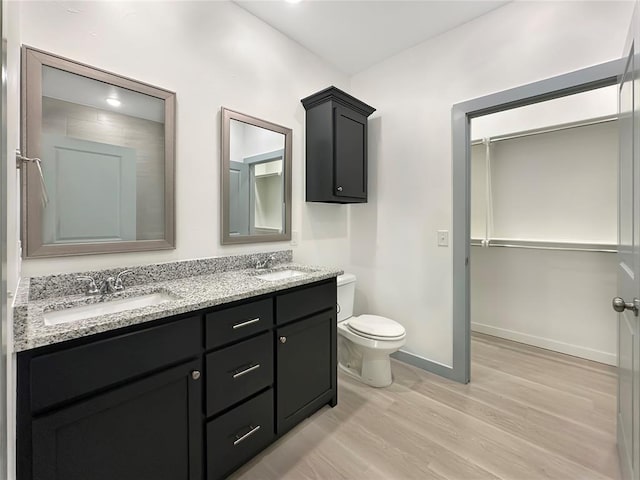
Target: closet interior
x: 544, y: 224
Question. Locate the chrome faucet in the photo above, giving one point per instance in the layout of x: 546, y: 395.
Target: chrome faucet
x: 266, y: 264
x: 92, y: 288
x: 119, y: 286
x: 112, y: 285
x: 108, y: 285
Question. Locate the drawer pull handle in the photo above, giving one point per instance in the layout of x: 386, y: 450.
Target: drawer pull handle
x: 246, y: 370
x: 246, y: 435
x: 244, y: 324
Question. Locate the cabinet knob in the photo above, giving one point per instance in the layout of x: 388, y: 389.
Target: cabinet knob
x: 283, y: 339
x: 195, y: 374
x: 339, y: 189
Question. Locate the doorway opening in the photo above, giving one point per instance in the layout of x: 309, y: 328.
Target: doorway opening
x: 544, y: 213
x: 585, y: 80
x: 554, y: 216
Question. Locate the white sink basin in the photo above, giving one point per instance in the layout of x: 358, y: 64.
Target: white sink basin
x: 83, y: 312
x: 280, y: 275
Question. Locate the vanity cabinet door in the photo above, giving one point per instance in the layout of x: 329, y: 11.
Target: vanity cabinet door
x: 148, y: 429
x: 306, y: 368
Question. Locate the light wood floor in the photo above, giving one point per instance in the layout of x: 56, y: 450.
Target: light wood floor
x: 527, y: 414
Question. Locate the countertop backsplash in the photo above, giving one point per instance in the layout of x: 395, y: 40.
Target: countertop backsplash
x: 64, y: 284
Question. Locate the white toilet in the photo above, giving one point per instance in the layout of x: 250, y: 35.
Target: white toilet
x: 366, y: 341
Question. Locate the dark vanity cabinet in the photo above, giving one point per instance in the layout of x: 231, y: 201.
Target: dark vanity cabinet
x: 126, y: 407
x: 336, y: 147
x: 188, y: 397
x: 276, y: 367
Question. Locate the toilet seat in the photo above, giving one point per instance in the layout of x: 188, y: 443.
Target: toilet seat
x: 376, y: 327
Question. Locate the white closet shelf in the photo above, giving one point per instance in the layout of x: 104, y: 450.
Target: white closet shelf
x: 547, y: 245
x: 268, y: 175
x: 553, y: 128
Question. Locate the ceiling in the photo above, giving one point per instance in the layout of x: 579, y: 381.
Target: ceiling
x: 353, y: 35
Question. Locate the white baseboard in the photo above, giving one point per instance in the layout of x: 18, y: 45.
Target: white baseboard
x: 548, y: 343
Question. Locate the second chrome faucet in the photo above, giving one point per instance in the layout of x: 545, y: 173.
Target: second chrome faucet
x: 107, y: 286
x: 266, y: 263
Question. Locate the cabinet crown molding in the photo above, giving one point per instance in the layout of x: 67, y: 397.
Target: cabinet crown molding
x: 339, y: 96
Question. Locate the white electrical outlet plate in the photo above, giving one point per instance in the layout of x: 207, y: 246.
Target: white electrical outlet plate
x: 294, y: 238
x: 443, y: 238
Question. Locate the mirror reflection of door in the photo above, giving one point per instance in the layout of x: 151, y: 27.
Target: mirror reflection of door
x: 238, y: 198
x: 92, y: 191
x: 256, y: 180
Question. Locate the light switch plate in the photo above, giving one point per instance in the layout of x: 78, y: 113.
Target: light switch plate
x: 443, y: 238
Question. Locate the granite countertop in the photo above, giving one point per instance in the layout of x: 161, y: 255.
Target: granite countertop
x: 192, y: 293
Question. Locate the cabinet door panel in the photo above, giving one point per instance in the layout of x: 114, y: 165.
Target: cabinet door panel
x: 304, y: 367
x: 350, y: 160
x: 148, y: 430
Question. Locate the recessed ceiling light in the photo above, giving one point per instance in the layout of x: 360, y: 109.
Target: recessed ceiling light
x: 293, y: 1
x: 114, y: 102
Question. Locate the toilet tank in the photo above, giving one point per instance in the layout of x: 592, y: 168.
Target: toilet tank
x: 346, y: 294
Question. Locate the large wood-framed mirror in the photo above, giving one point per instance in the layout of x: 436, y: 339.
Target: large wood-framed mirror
x: 104, y: 182
x: 255, y: 180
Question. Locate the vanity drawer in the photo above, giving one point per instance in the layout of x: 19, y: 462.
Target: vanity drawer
x: 235, y: 323
x: 238, y: 435
x: 304, y: 302
x: 236, y: 372
x: 73, y: 372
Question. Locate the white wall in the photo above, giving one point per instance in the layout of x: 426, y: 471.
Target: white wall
x: 557, y: 187
x: 211, y: 54
x: 401, y: 271
x: 551, y: 299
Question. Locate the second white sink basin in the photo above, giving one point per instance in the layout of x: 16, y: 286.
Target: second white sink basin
x: 82, y: 312
x: 280, y: 275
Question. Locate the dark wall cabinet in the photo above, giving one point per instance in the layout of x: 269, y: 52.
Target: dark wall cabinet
x: 336, y: 147
x: 188, y: 397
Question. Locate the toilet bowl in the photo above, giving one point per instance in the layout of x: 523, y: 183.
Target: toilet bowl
x: 365, y: 341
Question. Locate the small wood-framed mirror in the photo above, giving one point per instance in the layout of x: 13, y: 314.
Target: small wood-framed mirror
x: 255, y: 180
x: 104, y: 147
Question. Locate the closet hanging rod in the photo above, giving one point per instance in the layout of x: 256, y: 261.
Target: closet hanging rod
x: 543, y: 245
x: 550, y: 129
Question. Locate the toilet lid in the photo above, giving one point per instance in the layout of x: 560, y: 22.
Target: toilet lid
x: 376, y: 326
